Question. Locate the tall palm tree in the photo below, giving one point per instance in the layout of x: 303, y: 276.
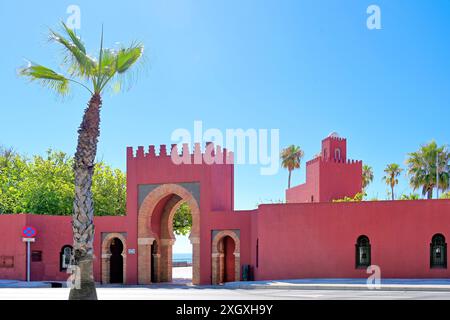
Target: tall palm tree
x: 367, y: 176
x: 392, y: 171
x: 94, y: 75
x: 422, y: 168
x: 291, y: 158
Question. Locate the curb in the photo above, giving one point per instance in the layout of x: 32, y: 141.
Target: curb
x: 439, y: 288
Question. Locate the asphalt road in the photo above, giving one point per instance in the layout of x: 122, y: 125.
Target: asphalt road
x: 184, y: 293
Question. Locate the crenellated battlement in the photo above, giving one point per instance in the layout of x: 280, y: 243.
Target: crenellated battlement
x: 332, y: 160
x: 330, y: 175
x: 312, y: 161
x: 335, y: 138
x: 210, y: 154
x: 349, y: 161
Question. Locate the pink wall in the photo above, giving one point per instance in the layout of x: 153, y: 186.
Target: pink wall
x: 339, y: 180
x: 12, y: 245
x: 318, y: 240
x: 328, y: 178
x: 329, y: 146
x: 53, y: 233
x: 308, y: 191
x: 295, y: 240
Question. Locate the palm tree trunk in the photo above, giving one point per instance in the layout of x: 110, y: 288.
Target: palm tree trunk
x: 83, y: 215
x: 392, y: 192
x: 289, y: 179
x: 430, y: 193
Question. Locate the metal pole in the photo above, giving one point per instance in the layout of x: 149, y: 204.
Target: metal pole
x: 437, y: 175
x: 28, y: 261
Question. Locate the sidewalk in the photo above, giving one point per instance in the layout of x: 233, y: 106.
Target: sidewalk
x: 292, y: 284
x: 345, y: 284
x: 24, y: 284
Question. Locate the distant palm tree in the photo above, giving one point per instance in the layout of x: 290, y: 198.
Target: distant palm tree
x: 291, y: 158
x: 422, y: 168
x: 392, y: 171
x: 111, y: 65
x: 367, y: 176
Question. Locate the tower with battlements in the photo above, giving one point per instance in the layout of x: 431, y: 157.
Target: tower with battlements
x: 330, y: 175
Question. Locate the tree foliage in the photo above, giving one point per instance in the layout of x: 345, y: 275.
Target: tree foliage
x: 411, y: 196
x: 422, y: 168
x: 45, y: 185
x: 392, y: 171
x: 111, y: 68
x: 367, y: 176
x: 182, y: 221
x: 357, y: 198
x: 291, y: 158
x: 12, y: 167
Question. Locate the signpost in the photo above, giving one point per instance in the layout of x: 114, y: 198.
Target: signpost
x: 28, y: 234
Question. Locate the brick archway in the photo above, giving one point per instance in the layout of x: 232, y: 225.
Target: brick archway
x: 146, y: 236
x: 106, y: 256
x: 217, y: 256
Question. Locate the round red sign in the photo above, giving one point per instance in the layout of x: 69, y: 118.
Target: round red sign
x: 29, y: 232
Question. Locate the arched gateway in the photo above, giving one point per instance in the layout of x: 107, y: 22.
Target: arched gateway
x: 226, y: 257
x: 156, y: 213
x: 157, y: 186
x: 114, y: 258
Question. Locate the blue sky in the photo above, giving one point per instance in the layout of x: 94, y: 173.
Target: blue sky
x: 305, y: 67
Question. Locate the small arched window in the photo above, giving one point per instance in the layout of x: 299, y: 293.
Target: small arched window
x: 64, y: 257
x: 362, y: 252
x: 337, y: 154
x: 438, y: 252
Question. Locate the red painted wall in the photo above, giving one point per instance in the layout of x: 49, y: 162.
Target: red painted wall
x: 339, y: 180
x: 295, y: 240
x: 329, y: 147
x: 309, y: 191
x: 12, y: 245
x: 318, y: 240
x: 54, y: 232
x: 328, y: 178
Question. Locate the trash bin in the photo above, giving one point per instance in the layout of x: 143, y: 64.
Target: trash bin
x: 247, y: 272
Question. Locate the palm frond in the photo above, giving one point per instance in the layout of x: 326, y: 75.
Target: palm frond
x: 422, y: 167
x: 291, y: 157
x: 124, y: 60
x: 75, y: 39
x: 109, y: 62
x: 127, y: 57
x: 46, y: 77
x: 80, y: 64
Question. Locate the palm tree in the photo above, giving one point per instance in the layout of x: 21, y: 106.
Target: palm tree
x: 94, y: 75
x: 291, y: 158
x: 422, y: 168
x: 367, y: 176
x: 392, y: 171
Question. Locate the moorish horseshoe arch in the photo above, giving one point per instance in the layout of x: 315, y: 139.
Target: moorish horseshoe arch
x: 106, y: 256
x: 216, y: 255
x: 146, y: 237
